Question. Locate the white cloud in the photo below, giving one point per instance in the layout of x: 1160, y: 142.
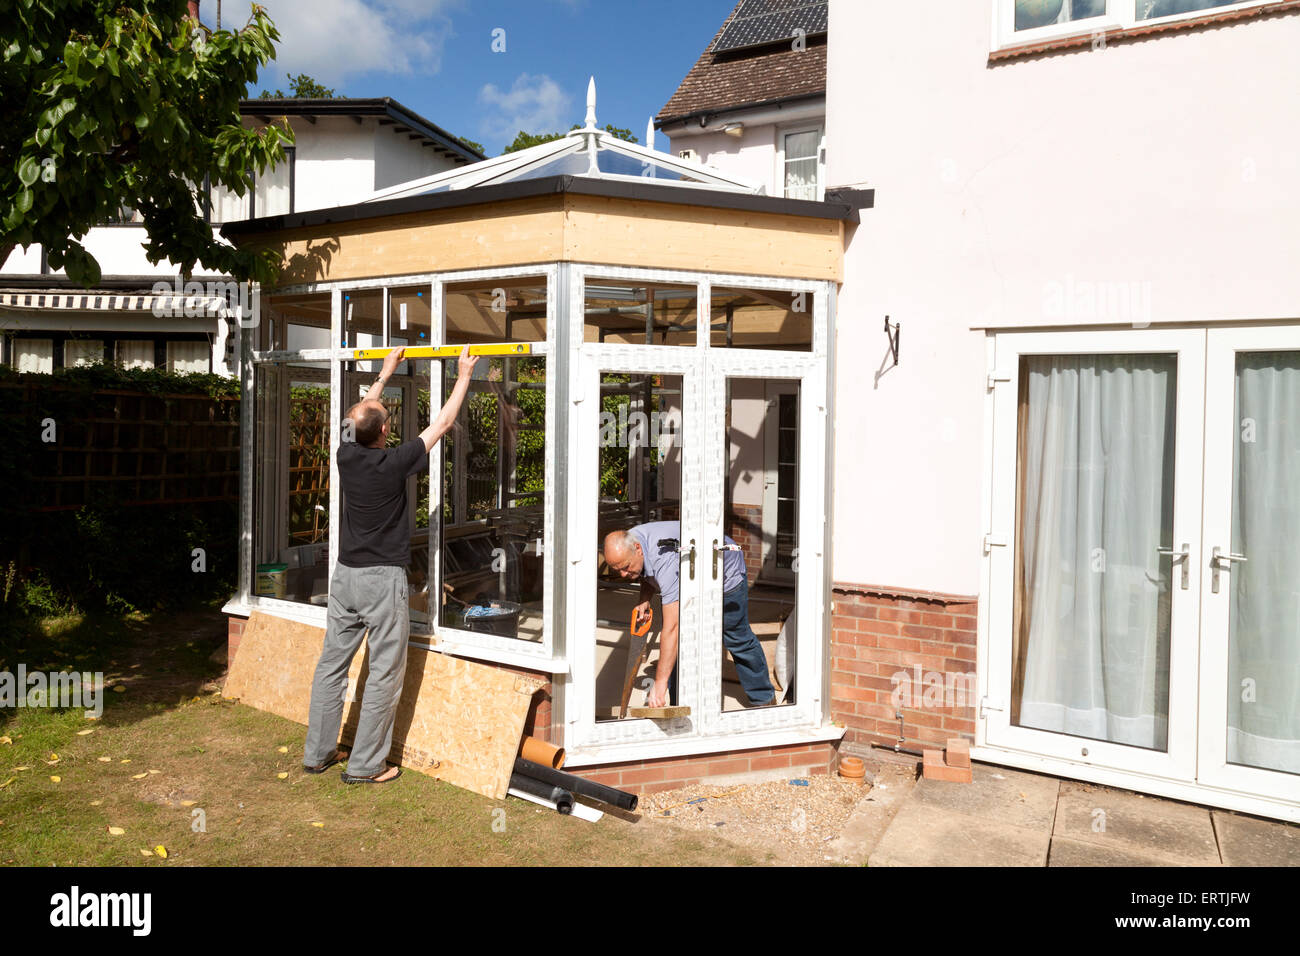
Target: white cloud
x: 534, y: 104
x: 334, y: 40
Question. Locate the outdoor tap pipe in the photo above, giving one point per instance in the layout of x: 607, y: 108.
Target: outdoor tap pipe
x: 559, y: 778
x: 562, y: 798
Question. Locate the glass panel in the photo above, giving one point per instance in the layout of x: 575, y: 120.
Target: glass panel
x: 759, y: 575
x: 272, y: 189
x: 229, y: 207
x: 1093, y: 600
x: 135, y: 353
x: 34, y: 355
x: 1264, y: 633
x: 1040, y: 13
x: 363, y: 325
x: 758, y: 319
x: 493, y: 515
x: 621, y: 164
x: 84, y: 352
x: 621, y: 313
x: 296, y: 322
x: 409, y: 315
x: 1150, y: 9
x: 291, y: 483
x: 496, y: 310
x: 640, y: 477
x: 189, y: 357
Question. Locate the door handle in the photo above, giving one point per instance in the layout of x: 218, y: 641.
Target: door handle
x: 1183, y: 556
x: 1216, y: 556
x: 719, y: 549
x: 690, y: 556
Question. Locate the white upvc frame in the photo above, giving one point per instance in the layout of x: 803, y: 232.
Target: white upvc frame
x: 491, y: 647
x: 1222, y: 433
x: 772, y: 394
x: 587, y: 740
x: 1002, y: 553
x: 1120, y: 15
x: 782, y: 132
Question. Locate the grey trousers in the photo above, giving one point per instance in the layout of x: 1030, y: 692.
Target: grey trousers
x: 360, y: 599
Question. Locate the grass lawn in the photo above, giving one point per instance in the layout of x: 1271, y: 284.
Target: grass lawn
x: 167, y: 746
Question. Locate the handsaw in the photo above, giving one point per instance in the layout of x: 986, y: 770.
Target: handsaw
x: 637, y: 652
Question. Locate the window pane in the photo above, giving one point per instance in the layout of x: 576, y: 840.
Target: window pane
x: 1091, y: 645
x: 622, y: 313
x: 135, y: 354
x: 496, y: 310
x: 188, y: 357
x: 1040, y: 13
x: 296, y: 322
x: 1150, y: 9
x: 1264, y: 635
x: 759, y: 319
x: 272, y: 189
x: 228, y: 207
x: 34, y: 355
x: 363, y: 326
x: 83, y: 352
x: 493, y: 516
x: 801, y: 145
x: 409, y: 316
x: 640, y: 439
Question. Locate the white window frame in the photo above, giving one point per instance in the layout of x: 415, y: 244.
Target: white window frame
x: 781, y: 134
x: 1120, y: 15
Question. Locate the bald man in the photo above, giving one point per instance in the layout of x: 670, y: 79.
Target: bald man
x: 369, y: 589
x: 648, y: 553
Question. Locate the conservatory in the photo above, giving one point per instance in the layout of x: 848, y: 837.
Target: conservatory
x: 657, y: 344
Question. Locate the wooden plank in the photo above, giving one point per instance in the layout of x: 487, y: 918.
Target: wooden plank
x: 458, y: 720
x: 658, y: 713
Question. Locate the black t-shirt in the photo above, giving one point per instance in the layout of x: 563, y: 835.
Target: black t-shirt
x: 376, y: 512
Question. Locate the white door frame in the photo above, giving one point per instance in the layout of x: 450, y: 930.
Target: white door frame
x: 771, y: 482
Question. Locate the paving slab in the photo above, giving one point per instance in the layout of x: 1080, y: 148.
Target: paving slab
x: 873, y: 814
x: 1176, y: 833
x: 1067, y: 852
x: 1008, y: 796
x: 1250, y: 841
x: 923, y: 834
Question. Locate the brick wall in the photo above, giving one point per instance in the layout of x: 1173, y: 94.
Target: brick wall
x: 649, y: 776
x: 908, y: 652
x: 745, y: 527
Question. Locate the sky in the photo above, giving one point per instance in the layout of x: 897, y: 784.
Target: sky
x: 437, y: 57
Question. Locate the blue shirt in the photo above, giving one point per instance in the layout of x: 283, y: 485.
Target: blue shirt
x: 659, y: 542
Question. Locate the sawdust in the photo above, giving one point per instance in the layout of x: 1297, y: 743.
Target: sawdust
x: 793, y: 823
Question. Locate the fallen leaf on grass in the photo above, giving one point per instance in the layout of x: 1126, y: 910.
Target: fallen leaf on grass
x: 54, y: 758
x: 119, y: 689
x: 318, y: 824
x: 56, y: 779
x: 144, y: 852
x: 24, y: 767
x: 282, y: 775
x: 5, y: 740
x: 155, y: 771
x: 188, y: 803
x: 161, y: 851
x: 283, y: 750
x: 96, y: 803
x: 105, y: 759
x: 127, y: 760
x: 86, y: 732
x: 116, y: 831
x: 7, y: 782
x: 138, y: 776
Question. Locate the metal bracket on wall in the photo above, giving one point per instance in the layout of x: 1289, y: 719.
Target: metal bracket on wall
x: 892, y: 333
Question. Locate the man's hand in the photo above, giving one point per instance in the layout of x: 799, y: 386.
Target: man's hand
x: 643, y: 613
x: 658, y: 696
x: 393, y: 360
x: 465, y: 365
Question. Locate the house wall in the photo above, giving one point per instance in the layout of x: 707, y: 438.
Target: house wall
x: 753, y: 155
x: 335, y: 161
x: 400, y: 159
x: 1006, y: 194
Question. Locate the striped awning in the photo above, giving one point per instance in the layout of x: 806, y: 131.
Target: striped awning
x: 161, y: 305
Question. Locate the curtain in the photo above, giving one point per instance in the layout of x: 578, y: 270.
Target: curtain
x: 1264, y: 629
x: 1097, y: 502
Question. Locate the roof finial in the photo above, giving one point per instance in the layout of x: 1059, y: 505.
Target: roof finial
x: 591, y: 103
x: 650, y: 133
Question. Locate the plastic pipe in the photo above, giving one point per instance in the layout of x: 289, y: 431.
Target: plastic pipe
x: 539, y: 751
x: 559, y: 778
x: 562, y: 798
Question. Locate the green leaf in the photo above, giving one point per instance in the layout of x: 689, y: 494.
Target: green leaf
x: 29, y: 170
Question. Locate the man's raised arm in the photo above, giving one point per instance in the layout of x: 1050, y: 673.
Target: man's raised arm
x: 451, y: 408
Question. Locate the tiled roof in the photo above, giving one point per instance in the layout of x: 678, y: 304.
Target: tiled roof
x: 720, y: 82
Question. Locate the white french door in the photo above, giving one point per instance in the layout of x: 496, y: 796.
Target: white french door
x: 1144, y: 557
x: 1250, y: 650
x: 1094, y: 604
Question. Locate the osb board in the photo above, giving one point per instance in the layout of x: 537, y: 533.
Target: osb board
x: 458, y: 720
x: 671, y: 236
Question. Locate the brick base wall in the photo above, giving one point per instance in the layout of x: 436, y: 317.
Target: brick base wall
x: 649, y: 776
x: 895, y: 653
x: 745, y: 527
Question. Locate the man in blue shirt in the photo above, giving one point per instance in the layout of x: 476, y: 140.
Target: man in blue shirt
x: 649, y: 552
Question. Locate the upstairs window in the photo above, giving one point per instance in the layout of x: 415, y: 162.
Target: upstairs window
x: 1026, y: 21
x: 801, y: 164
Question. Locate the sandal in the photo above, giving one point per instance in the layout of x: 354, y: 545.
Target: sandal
x: 348, y: 778
x: 339, y: 757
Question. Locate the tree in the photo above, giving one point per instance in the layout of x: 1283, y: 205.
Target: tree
x: 301, y: 87
x: 112, y: 103
x: 526, y: 140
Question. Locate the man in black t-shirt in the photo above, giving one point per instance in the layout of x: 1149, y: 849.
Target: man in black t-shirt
x: 368, y: 591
